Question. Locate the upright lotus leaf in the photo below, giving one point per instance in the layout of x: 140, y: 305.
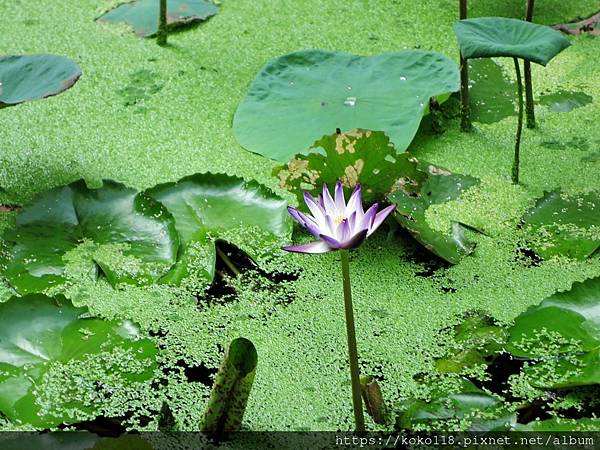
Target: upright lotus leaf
x: 413, y: 195
x: 231, y: 389
x: 128, y: 235
x: 301, y: 96
x: 357, y: 156
x: 563, y: 333
x: 38, y: 333
x: 488, y: 37
x: 209, y: 206
x: 31, y: 77
x: 483, y: 411
x: 143, y: 15
x: 565, y: 225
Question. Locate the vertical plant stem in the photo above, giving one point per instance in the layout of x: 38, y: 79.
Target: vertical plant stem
x: 161, y: 39
x: 359, y: 418
x: 527, y: 75
x: 465, y: 110
x: 227, y: 261
x: 515, y: 168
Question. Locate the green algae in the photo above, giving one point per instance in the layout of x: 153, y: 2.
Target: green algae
x: 297, y: 326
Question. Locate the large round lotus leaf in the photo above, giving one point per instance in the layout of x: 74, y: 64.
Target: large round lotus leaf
x: 31, y: 77
x: 299, y: 97
x: 488, y: 37
x: 565, y: 225
x: 128, y: 235
x: 563, y: 332
x: 413, y: 195
x: 358, y: 156
x: 38, y: 332
x: 218, y: 206
x: 142, y: 15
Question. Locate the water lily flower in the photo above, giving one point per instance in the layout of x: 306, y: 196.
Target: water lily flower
x: 337, y: 224
x: 341, y: 226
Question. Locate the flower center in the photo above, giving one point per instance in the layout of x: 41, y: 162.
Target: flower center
x: 339, y: 219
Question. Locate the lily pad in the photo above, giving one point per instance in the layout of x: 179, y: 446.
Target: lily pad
x: 563, y: 333
x: 209, y: 206
x: 142, y: 15
x: 565, y: 101
x: 32, y: 77
x: 129, y: 236
x: 413, y: 195
x: 488, y: 37
x: 468, y: 403
x: 39, y: 333
x: 557, y: 425
x: 301, y: 96
x: 565, y: 225
x: 358, y: 156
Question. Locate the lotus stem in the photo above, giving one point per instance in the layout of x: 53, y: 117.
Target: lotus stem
x: 227, y: 261
x: 515, y: 168
x: 529, y: 108
x: 465, y: 109
x: 352, y: 351
x: 162, y: 24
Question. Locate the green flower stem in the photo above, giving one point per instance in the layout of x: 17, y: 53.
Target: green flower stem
x: 529, y: 109
x: 161, y: 39
x: 352, y: 352
x: 227, y: 261
x: 515, y: 168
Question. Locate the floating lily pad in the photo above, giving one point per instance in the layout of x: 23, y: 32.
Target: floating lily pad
x: 491, y: 94
x: 557, y: 425
x: 413, y: 195
x: 127, y: 235
x: 488, y: 37
x: 208, y: 206
x: 565, y: 101
x: 31, y: 77
x: 142, y: 15
x: 39, y: 333
x: 301, y: 96
x: 469, y: 403
x: 563, y: 225
x: 358, y: 156
x: 563, y: 334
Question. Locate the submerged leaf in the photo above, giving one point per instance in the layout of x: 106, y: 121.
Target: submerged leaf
x: 412, y: 195
x: 488, y: 37
x: 31, y: 77
x: 565, y: 225
x: 209, y: 206
x: 37, y: 333
x: 358, y: 156
x: 128, y: 235
x: 142, y: 15
x: 301, y: 96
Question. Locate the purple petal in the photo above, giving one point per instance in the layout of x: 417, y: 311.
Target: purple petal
x: 328, y: 203
x: 380, y: 217
x: 315, y: 209
x: 367, y: 222
x: 312, y: 247
x: 331, y: 242
x: 355, y: 201
x: 352, y: 221
x: 355, y: 241
x: 295, y: 214
x: 340, y: 201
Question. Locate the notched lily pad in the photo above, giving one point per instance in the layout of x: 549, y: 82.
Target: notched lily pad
x: 32, y: 77
x: 142, y: 15
x: 301, y: 96
x: 565, y: 225
x: 127, y: 235
x: 39, y: 335
x: 562, y: 336
x: 209, y: 206
x: 414, y: 195
x: 357, y: 156
x: 488, y: 37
